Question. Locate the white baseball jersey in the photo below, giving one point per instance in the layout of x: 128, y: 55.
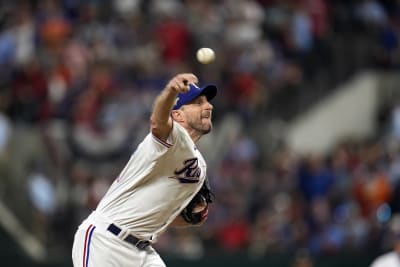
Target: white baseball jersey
x: 390, y: 259
x: 158, y: 182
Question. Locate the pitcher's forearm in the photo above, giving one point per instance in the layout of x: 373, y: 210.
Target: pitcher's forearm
x: 163, y: 106
x: 161, y: 122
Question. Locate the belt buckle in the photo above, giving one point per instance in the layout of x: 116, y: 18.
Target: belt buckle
x: 142, y: 244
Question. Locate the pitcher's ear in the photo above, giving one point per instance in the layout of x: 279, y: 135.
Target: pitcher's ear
x: 177, y: 115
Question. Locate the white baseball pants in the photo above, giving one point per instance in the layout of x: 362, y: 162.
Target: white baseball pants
x: 94, y: 246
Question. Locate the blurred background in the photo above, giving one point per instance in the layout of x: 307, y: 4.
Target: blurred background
x: 304, y: 158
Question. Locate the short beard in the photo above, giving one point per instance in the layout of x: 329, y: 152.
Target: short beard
x: 201, y: 130
x: 207, y: 131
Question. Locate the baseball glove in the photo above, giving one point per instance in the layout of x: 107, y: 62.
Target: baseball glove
x: 203, y: 197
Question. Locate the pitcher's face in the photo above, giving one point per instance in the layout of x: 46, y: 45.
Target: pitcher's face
x: 197, y: 114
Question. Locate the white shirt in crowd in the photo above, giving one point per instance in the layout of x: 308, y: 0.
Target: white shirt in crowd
x: 390, y: 259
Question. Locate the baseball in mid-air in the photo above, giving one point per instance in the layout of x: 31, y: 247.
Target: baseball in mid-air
x: 205, y: 55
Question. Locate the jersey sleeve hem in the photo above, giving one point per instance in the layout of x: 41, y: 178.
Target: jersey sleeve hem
x: 166, y: 144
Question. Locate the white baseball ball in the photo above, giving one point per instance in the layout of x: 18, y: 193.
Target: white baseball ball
x: 205, y: 55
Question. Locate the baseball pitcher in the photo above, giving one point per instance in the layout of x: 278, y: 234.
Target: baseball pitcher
x: 163, y: 184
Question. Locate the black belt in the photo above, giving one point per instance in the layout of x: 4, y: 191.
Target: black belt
x: 140, y: 244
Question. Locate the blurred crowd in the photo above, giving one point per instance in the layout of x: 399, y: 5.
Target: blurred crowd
x: 78, y: 79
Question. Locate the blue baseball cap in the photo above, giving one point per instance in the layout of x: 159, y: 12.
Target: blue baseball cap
x: 210, y: 91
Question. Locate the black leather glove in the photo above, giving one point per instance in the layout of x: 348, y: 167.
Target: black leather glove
x: 202, y: 198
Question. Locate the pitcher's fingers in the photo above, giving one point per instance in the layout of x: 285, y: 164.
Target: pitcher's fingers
x: 188, y: 78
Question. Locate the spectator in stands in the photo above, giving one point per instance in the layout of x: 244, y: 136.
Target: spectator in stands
x: 302, y: 259
x: 391, y: 258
